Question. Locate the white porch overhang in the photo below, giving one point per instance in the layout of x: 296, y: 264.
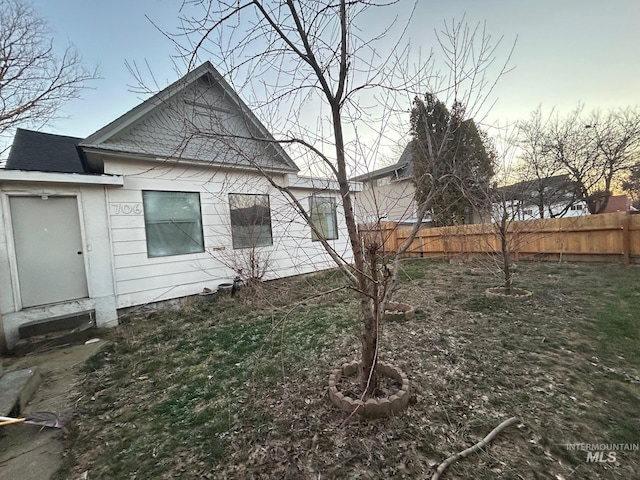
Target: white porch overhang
x: 54, y: 177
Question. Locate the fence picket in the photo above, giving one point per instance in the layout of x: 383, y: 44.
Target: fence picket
x: 612, y: 237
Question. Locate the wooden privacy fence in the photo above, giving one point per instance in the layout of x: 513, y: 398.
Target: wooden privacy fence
x: 613, y: 238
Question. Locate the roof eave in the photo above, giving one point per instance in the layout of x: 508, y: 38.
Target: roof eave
x: 92, y: 149
x: 145, y: 107
x: 33, y: 176
x: 381, y: 172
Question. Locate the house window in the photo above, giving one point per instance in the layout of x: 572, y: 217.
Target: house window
x: 250, y: 220
x: 528, y: 212
x: 576, y: 207
x: 323, y: 216
x: 172, y: 222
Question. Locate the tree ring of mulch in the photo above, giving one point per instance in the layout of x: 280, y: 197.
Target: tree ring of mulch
x: 501, y: 292
x: 398, y: 311
x: 373, y: 407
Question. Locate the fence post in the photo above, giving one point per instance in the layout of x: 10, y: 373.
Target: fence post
x: 626, y: 239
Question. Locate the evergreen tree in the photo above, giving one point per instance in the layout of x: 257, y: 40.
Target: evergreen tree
x: 451, y: 157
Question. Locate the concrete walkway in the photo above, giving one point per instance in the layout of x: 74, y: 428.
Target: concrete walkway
x: 31, y: 452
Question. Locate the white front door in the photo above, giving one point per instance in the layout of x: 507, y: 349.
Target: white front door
x: 49, y: 251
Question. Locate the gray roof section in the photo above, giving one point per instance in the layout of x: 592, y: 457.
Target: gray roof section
x: 171, y: 125
x: 402, y: 170
x: 555, y: 186
x: 404, y: 166
x: 45, y: 152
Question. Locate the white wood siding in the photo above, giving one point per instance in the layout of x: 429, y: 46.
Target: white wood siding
x: 393, y: 202
x: 140, y: 279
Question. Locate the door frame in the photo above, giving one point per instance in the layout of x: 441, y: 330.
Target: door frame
x: 13, y: 260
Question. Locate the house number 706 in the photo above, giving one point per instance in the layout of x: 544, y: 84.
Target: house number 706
x: 126, y: 208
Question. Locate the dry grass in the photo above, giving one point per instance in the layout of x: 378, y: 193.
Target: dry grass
x: 237, y: 389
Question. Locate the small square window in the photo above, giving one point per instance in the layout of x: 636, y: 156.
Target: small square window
x: 250, y: 220
x: 323, y: 216
x: 172, y: 223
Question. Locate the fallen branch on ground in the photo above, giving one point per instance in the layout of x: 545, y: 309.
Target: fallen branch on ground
x: 482, y: 443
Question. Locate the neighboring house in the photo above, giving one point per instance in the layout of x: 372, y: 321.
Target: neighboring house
x: 388, y: 194
x: 619, y: 203
x: 168, y: 199
x: 549, y: 197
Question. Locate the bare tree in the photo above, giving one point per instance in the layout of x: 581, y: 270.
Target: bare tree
x: 34, y: 80
x: 592, y: 149
x: 616, y: 134
x: 292, y: 58
x: 504, y: 205
x: 537, y: 167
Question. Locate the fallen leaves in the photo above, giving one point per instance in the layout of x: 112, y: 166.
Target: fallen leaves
x: 471, y: 364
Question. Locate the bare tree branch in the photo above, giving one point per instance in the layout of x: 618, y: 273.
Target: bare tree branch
x: 299, y: 60
x: 34, y: 81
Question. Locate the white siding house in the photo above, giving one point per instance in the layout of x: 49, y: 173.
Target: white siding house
x: 141, y: 278
x: 388, y: 194
x: 183, y: 192
x: 550, y: 197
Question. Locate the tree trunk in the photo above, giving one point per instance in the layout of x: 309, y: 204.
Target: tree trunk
x: 506, y: 257
x: 369, y: 301
x: 541, y: 204
x: 368, y: 378
x: 372, y: 314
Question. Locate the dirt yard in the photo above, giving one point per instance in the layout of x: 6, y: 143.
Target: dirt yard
x: 238, y: 388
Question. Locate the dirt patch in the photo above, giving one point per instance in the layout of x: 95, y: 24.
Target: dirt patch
x: 351, y: 386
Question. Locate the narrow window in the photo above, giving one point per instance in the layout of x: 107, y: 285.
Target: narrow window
x: 323, y: 216
x: 250, y: 220
x: 172, y: 223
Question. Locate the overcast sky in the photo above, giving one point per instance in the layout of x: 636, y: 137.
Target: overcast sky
x: 567, y: 51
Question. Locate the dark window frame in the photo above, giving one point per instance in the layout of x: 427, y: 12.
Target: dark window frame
x: 324, y: 229
x: 155, y: 246
x: 251, y: 225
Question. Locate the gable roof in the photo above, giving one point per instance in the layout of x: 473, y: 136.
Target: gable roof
x: 554, y: 188
x: 147, y: 128
x: 402, y: 170
x: 45, y: 152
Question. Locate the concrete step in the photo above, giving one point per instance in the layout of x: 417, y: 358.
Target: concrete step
x: 16, y: 389
x: 42, y: 343
x: 42, y: 335
x: 81, y: 321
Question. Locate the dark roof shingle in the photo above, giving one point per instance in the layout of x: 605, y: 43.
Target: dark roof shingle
x: 45, y: 152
